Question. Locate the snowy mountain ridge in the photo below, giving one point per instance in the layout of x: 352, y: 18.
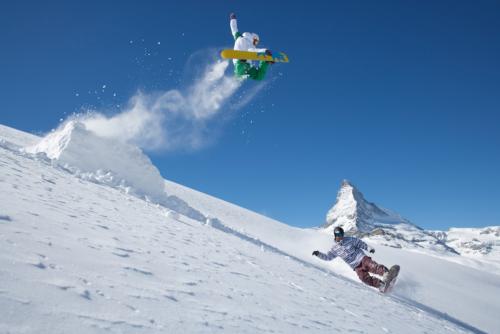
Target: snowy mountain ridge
x: 356, y: 214
x: 473, y: 242
x: 367, y: 220
x: 83, y: 255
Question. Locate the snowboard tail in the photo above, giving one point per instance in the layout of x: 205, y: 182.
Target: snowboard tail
x: 279, y: 57
x: 391, y: 278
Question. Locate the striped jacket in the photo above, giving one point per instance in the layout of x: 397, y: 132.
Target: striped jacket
x: 349, y: 249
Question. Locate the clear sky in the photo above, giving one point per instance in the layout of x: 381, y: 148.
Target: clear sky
x: 402, y: 98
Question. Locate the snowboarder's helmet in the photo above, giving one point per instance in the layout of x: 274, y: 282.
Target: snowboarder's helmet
x: 338, y: 232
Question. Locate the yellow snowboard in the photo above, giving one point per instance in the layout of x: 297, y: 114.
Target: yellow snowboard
x: 279, y: 57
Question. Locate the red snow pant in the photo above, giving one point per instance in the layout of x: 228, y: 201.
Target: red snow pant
x: 367, y: 266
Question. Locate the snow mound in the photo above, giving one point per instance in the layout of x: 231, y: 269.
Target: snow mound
x: 104, y: 160
x: 110, y: 162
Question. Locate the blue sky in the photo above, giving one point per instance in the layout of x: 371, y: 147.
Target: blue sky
x: 400, y: 97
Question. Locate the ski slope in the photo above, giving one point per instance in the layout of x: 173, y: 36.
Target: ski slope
x: 83, y: 253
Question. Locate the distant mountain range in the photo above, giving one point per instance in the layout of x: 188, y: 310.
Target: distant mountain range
x: 364, y: 219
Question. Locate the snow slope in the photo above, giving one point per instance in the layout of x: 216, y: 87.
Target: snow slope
x: 84, y: 256
x: 445, y: 284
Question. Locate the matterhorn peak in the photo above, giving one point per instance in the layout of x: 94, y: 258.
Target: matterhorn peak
x: 359, y: 217
x: 355, y: 214
x: 347, y: 183
x: 349, y: 193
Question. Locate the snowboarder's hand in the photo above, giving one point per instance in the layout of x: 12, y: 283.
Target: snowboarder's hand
x: 232, y: 16
x: 315, y: 253
x: 269, y: 52
x: 372, y: 250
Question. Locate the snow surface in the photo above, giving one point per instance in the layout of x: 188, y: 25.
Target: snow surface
x: 83, y: 256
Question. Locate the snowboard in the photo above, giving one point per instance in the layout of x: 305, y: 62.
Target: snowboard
x: 278, y: 57
x: 391, y: 278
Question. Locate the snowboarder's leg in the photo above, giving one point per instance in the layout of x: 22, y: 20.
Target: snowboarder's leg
x: 366, y: 278
x: 368, y: 266
x: 258, y: 73
x: 244, y: 69
x: 241, y: 68
x: 261, y: 72
x: 373, y: 267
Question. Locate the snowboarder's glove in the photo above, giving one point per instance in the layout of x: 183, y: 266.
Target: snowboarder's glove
x: 269, y: 52
x: 372, y: 250
x: 315, y: 253
x: 232, y: 16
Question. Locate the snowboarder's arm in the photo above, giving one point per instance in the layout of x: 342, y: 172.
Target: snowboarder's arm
x: 326, y: 257
x: 234, y: 26
x: 361, y: 244
x: 257, y: 50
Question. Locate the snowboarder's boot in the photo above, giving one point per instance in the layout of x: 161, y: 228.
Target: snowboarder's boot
x: 386, y: 275
x: 391, y: 278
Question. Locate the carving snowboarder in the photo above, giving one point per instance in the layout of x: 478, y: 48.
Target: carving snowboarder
x: 350, y: 249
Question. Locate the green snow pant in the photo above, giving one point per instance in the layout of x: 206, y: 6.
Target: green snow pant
x: 244, y: 69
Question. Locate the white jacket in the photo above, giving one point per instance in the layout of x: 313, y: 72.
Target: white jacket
x: 244, y: 42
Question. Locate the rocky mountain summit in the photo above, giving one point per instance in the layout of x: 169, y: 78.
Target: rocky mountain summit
x: 365, y: 219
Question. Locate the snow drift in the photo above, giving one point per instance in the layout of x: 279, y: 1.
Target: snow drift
x: 105, y: 160
x: 110, y: 162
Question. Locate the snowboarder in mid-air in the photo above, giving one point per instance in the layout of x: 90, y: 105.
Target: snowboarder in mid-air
x: 350, y: 249
x: 247, y: 42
